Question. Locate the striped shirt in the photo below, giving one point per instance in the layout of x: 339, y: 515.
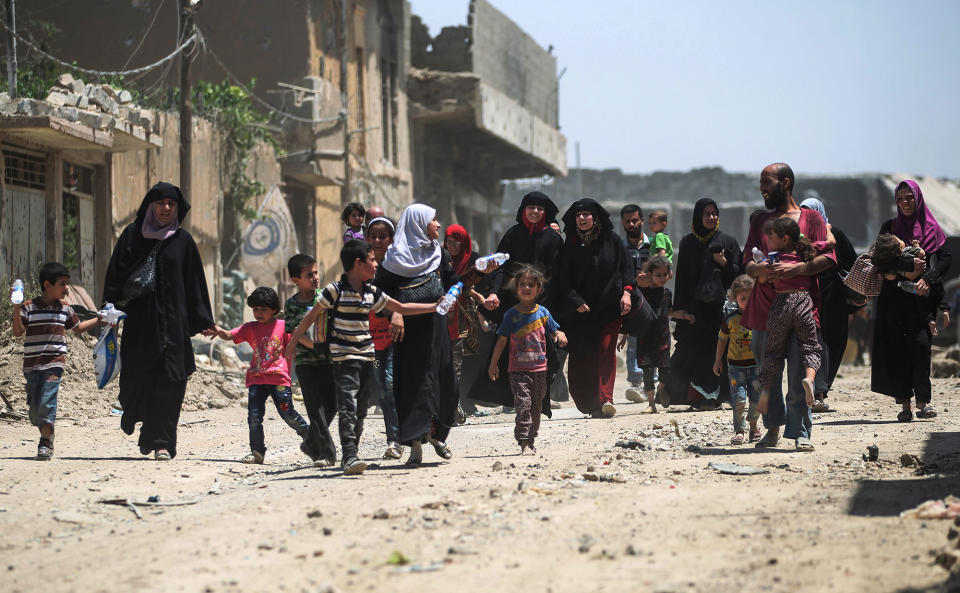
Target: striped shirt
x: 350, y: 336
x: 45, y: 338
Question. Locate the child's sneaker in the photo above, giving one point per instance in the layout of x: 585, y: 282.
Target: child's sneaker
x: 608, y: 410
x: 353, y: 467
x: 634, y: 395
x: 253, y: 457
x: 45, y: 450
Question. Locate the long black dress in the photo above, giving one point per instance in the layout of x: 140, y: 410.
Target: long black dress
x: 424, y: 379
x: 692, y: 362
x: 540, y: 248
x: 900, y: 358
x: 155, y: 350
x: 834, y: 309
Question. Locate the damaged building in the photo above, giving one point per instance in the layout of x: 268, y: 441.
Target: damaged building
x: 483, y: 107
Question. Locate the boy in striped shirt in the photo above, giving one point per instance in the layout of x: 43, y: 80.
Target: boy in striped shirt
x: 44, y: 321
x: 351, y: 299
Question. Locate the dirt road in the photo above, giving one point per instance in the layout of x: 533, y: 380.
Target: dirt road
x: 583, y: 515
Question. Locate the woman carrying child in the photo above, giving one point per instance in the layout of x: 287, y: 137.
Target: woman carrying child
x: 792, y: 309
x: 905, y: 321
x: 527, y: 326
x: 734, y: 341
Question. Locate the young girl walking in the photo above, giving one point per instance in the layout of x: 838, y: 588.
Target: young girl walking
x: 792, y: 309
x: 527, y: 326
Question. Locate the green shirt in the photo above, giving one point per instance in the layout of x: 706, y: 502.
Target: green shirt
x: 662, y: 241
x: 293, y: 314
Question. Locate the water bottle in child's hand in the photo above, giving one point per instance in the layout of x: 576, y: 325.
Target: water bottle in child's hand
x: 16, y: 292
x: 486, y: 261
x: 450, y: 298
x: 908, y: 286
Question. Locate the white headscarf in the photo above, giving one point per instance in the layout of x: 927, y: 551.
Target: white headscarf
x: 412, y: 253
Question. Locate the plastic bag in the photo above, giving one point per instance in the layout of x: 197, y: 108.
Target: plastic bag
x: 106, y: 354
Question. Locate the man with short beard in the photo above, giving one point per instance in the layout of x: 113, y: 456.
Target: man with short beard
x: 776, y: 186
x: 638, y: 248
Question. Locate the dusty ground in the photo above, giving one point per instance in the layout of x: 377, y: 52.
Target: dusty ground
x: 656, y: 519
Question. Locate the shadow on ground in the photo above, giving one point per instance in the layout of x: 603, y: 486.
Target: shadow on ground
x: 888, y: 498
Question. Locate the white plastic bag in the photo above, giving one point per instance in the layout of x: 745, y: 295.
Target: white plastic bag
x: 106, y: 354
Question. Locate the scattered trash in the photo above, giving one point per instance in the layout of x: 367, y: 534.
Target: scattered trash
x: 873, y: 453
x: 586, y: 542
x: 314, y: 514
x: 432, y: 567
x: 497, y: 466
x: 397, y: 559
x: 734, y: 469
x: 591, y: 477
x: 75, y: 518
x: 215, y: 489
x: 948, y: 508
x: 908, y: 460
x: 631, y: 444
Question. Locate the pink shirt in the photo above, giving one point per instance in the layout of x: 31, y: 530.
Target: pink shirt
x: 812, y: 227
x: 268, y: 340
x: 797, y: 282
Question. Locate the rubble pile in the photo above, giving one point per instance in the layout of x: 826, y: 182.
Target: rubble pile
x: 98, y: 106
x: 673, y: 436
x: 946, y: 363
x: 214, y: 385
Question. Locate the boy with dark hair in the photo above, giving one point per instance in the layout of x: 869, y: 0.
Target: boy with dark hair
x: 269, y: 372
x: 350, y: 301
x: 44, y: 321
x: 312, y: 363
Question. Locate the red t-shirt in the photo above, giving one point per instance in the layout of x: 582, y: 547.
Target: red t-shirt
x: 812, y: 227
x: 268, y: 340
x: 380, y: 332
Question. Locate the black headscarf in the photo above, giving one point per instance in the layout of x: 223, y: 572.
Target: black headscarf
x: 702, y: 233
x: 536, y: 198
x: 601, y: 218
x: 132, y: 247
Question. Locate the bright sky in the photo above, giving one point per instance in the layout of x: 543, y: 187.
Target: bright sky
x: 829, y: 86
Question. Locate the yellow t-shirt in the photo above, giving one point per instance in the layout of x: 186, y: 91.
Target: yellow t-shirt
x: 738, y: 347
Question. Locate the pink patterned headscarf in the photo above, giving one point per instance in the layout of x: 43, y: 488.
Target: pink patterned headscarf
x: 921, y: 226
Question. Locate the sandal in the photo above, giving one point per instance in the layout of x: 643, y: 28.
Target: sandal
x: 755, y: 434
x: 161, y: 455
x: 255, y: 457
x: 926, y: 412
x: 441, y: 448
x: 737, y: 439
x: 905, y: 416
x: 44, y: 450
x: 804, y: 445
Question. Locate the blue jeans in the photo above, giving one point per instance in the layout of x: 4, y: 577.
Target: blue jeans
x: 744, y: 386
x: 42, y: 389
x: 388, y: 403
x: 256, y: 406
x: 634, y: 372
x: 793, y: 413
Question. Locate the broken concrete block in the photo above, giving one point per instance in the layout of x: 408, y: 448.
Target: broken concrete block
x: 91, y: 119
x: 56, y: 99
x: 146, y: 118
x: 109, y: 90
x: 33, y: 107
x: 67, y: 113
x: 100, y: 97
x: 125, y: 97
x: 77, y: 86
x: 83, y: 102
x: 65, y: 80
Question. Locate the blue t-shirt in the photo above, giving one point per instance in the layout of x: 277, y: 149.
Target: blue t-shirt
x: 528, y: 338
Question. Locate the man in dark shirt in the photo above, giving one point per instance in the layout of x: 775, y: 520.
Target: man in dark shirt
x: 638, y: 248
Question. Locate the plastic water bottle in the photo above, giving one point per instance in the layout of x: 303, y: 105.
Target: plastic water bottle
x: 16, y: 292
x: 446, y: 303
x: 908, y: 286
x: 111, y: 315
x: 494, y: 258
x: 758, y: 255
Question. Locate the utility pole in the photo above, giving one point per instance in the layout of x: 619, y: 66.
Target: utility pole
x: 344, y: 96
x: 188, y: 28
x: 11, y: 49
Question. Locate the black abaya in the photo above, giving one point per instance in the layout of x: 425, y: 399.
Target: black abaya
x: 155, y: 348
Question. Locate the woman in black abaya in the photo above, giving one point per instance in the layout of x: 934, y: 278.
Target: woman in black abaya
x: 707, y: 262
x: 156, y: 276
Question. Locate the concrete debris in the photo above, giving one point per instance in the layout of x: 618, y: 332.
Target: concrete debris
x: 948, y: 508
x: 89, y: 104
x: 734, y: 469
